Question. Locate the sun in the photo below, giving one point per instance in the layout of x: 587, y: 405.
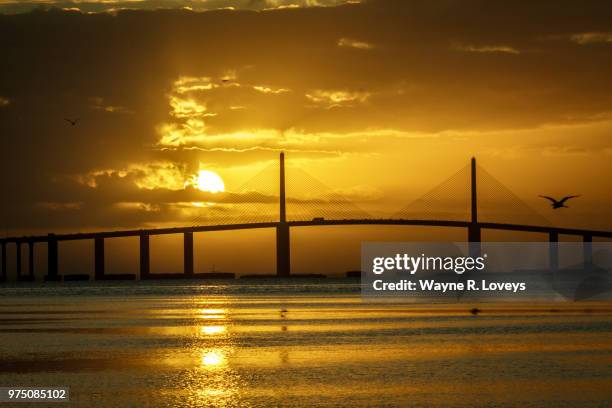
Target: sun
x: 209, y: 181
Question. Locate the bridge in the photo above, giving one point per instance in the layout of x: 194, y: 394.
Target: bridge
x: 473, y: 227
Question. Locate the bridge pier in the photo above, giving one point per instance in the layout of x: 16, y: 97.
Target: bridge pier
x: 283, y: 251
x: 31, y: 259
x: 52, y: 259
x: 188, y: 253
x: 587, y: 243
x: 553, y: 251
x: 474, y: 233
x: 145, y: 270
x: 18, y: 259
x: 98, y: 258
x: 3, y: 270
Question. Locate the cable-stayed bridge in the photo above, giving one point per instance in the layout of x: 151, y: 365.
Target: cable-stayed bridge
x: 470, y: 199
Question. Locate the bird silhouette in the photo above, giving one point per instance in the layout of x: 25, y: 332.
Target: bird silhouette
x: 71, y: 121
x: 559, y: 203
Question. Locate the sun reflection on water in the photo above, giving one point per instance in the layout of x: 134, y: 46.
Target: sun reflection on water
x: 213, y: 382
x: 212, y: 313
x: 213, y: 359
x: 212, y: 330
x: 211, y: 392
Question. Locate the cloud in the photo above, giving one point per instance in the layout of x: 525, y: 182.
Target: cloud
x: 265, y: 89
x: 200, y: 93
x: 183, y: 136
x: 114, y: 6
x: 332, y: 98
x: 187, y: 107
x: 98, y: 103
x: 350, y: 43
x: 60, y: 206
x: 522, y: 151
x: 504, y: 49
x: 140, y: 206
x: 149, y: 176
x: 185, y: 84
x: 592, y: 37
x: 191, y: 127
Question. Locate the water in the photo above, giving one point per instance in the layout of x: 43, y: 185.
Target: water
x: 297, y: 344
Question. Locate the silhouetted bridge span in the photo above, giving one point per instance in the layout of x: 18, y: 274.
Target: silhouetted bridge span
x: 283, y: 226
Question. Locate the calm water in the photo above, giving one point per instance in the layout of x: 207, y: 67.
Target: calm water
x: 302, y: 344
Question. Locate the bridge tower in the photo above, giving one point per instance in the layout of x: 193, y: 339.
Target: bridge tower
x: 474, y: 227
x: 283, y: 260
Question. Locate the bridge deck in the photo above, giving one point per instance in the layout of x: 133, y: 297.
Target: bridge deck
x: 227, y: 227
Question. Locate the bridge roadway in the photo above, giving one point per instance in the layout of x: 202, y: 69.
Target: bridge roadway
x: 283, y: 252
x: 311, y: 223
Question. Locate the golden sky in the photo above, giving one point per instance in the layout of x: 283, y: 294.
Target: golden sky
x: 378, y: 101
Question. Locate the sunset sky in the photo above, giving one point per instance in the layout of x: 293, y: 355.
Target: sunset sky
x: 378, y: 100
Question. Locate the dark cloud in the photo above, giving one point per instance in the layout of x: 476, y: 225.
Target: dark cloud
x: 101, y: 6
x: 318, y: 81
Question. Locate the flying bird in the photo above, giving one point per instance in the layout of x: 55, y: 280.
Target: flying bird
x: 559, y: 203
x: 72, y: 122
